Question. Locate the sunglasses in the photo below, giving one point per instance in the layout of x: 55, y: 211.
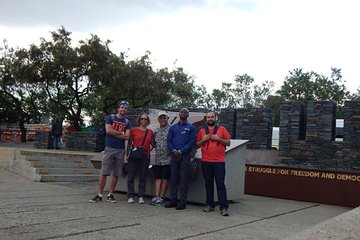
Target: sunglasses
x: 143, y: 119
x: 124, y: 102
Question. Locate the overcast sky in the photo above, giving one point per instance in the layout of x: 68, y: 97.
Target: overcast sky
x: 212, y: 40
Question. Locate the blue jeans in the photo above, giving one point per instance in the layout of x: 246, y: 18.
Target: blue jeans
x: 179, y: 179
x: 211, y: 171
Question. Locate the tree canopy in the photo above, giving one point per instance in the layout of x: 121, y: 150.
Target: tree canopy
x: 57, y: 78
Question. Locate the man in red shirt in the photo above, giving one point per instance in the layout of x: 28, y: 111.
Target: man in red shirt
x: 213, y: 141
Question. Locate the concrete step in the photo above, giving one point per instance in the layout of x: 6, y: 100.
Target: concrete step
x: 56, y: 155
x: 60, y: 164
x: 57, y: 159
x: 69, y: 178
x: 68, y: 171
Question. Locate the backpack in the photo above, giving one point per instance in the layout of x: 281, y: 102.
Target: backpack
x: 214, y: 132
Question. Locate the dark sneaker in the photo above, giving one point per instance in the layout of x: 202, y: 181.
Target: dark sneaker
x: 180, y: 207
x: 110, y: 198
x: 170, y: 205
x: 224, y: 212
x: 208, y: 209
x: 95, y: 199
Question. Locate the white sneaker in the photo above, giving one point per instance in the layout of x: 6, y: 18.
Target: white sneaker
x: 154, y: 200
x: 131, y: 200
x: 141, y: 200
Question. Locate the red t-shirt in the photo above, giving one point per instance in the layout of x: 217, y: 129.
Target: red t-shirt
x: 137, y: 135
x: 211, y: 151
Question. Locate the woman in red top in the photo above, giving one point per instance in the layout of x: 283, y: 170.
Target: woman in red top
x: 137, y: 135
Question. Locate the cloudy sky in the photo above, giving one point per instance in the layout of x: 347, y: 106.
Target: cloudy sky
x: 213, y: 40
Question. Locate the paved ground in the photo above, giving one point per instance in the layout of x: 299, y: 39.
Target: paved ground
x: 33, y: 210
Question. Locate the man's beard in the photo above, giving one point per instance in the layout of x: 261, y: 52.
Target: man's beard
x: 211, y: 123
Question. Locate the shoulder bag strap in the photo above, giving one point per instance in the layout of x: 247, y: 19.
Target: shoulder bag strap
x: 142, y: 143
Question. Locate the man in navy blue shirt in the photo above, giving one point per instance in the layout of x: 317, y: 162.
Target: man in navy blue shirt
x: 117, y: 132
x: 180, y: 140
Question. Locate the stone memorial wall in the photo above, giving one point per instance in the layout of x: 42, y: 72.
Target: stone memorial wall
x: 306, y: 133
x: 351, y: 143
x: 291, y: 128
x: 253, y: 124
x: 319, y: 149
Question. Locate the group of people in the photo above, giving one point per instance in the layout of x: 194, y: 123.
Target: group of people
x: 174, y: 146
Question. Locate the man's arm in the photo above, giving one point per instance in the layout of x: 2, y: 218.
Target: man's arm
x: 122, y: 135
x: 169, y: 138
x: 223, y: 140
x: 203, y: 139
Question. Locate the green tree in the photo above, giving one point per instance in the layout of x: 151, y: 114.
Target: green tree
x: 218, y: 98
x: 20, y: 100
x: 305, y: 86
x: 274, y: 102
x: 242, y: 90
x: 298, y: 86
x: 67, y: 74
x: 243, y: 93
x: 228, y: 93
x: 145, y: 86
x: 261, y: 93
x: 183, y: 90
x: 355, y: 96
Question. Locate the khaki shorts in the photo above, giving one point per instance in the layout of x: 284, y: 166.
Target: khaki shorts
x: 113, y: 160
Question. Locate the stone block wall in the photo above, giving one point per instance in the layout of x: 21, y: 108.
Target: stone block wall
x: 227, y: 118
x: 80, y: 141
x: 319, y: 149
x: 351, y: 147
x: 253, y: 124
x: 42, y: 140
x: 291, y: 128
x: 320, y: 121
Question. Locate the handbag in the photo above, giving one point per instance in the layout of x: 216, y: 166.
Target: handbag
x: 138, y: 153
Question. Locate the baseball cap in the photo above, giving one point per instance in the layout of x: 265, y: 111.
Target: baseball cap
x: 162, y: 113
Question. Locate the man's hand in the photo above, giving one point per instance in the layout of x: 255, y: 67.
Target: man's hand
x: 176, y: 153
x: 206, y: 138
x: 215, y: 137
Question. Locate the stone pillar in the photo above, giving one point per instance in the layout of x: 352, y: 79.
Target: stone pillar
x: 255, y: 125
x: 351, y: 135
x: 227, y: 119
x: 320, y: 124
x: 291, y: 130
